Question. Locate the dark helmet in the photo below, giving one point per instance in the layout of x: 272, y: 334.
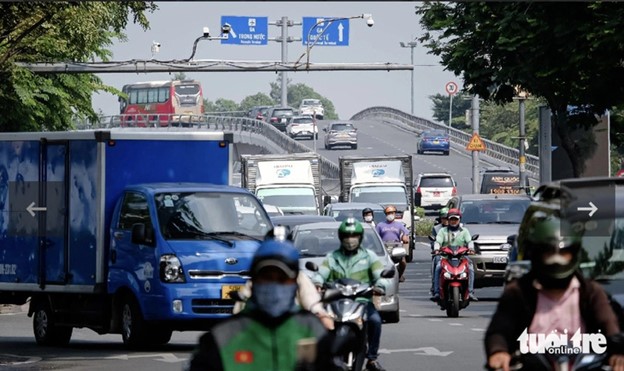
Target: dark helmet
x: 367, y: 210
x: 276, y: 253
x: 350, y: 227
x: 453, y: 213
x: 546, y: 237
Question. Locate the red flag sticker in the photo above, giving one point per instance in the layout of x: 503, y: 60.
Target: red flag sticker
x: 243, y: 356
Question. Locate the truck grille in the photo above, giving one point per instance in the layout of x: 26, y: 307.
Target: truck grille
x: 212, y: 306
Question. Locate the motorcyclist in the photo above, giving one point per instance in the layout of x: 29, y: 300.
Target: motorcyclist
x: 453, y: 235
x: 353, y: 261
x: 434, y: 232
x: 553, y: 295
x: 367, y: 216
x: 392, y: 231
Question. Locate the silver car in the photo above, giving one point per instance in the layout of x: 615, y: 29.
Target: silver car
x: 493, y: 218
x: 315, y: 240
x: 340, y: 133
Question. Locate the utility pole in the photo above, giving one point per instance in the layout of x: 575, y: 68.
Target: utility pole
x: 411, y: 45
x: 475, y: 154
x: 522, y: 159
x: 284, y: 23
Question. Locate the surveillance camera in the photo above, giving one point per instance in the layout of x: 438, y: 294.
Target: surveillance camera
x: 226, y: 28
x: 370, y: 22
x: 155, y: 44
x: 206, y: 32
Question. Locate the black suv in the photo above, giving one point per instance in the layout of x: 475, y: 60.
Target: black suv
x: 280, y: 117
x: 596, y: 207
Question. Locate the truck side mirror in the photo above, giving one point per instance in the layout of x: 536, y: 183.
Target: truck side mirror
x: 142, y: 234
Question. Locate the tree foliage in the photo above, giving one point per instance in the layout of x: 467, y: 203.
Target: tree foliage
x: 461, y: 103
x: 55, y: 32
x: 258, y: 99
x: 568, y: 54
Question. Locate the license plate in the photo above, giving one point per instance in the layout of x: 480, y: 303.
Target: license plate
x: 499, y: 259
x: 226, y: 289
x: 436, y: 142
x: 436, y: 194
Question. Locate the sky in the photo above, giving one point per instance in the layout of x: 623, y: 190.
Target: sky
x: 176, y: 25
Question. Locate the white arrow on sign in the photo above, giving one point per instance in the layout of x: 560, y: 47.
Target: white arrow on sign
x: 340, y: 29
x: 232, y: 32
x: 592, y: 209
x: 31, y: 209
x: 428, y: 351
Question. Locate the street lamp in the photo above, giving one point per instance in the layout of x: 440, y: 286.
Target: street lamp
x: 411, y: 45
x: 522, y: 96
x: 225, y: 30
x: 369, y: 22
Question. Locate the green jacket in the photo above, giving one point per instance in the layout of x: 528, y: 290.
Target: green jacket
x: 461, y: 237
x: 363, y: 266
x: 245, y: 342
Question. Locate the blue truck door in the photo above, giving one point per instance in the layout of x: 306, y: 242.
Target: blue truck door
x: 54, y: 195
x: 133, y: 264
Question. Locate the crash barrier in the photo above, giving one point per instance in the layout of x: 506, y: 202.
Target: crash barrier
x: 245, y: 130
x: 494, y: 150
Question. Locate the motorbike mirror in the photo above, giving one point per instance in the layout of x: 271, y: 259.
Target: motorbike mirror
x: 475, y: 237
x: 311, y: 266
x: 388, y: 273
x: 398, y: 253
x: 331, y: 294
x: 431, y: 238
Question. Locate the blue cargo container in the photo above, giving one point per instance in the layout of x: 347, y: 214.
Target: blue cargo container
x: 123, y: 231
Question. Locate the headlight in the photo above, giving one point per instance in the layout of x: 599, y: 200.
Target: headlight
x: 171, y: 269
x: 447, y: 275
x: 462, y: 275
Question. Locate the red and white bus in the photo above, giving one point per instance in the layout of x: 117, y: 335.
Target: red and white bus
x: 161, y: 102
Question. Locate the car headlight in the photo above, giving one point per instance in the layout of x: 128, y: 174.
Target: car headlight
x: 171, y: 269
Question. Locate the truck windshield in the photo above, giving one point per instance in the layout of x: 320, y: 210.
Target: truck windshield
x: 384, y: 195
x: 197, y: 215
x: 296, y: 200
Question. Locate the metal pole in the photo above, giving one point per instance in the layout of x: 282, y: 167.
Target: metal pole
x: 412, y: 86
x: 284, y: 41
x: 450, y: 110
x: 475, y: 154
x: 314, y: 128
x: 522, y: 159
x: 545, y: 145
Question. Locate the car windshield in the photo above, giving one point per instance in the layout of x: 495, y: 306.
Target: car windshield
x: 297, y: 200
x: 321, y: 241
x: 311, y: 102
x: 302, y: 120
x: 197, y: 215
x: 426, y: 182
x: 434, y: 134
x: 383, y: 195
x: 187, y: 89
x: 340, y: 215
x: 342, y: 127
x: 495, y: 211
x: 282, y: 112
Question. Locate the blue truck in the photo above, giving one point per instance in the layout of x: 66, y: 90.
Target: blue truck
x: 127, y: 231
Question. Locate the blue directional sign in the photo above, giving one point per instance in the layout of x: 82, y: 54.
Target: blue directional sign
x: 328, y: 31
x: 246, y: 30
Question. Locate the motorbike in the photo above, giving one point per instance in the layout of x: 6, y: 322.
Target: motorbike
x: 558, y: 362
x: 350, y: 341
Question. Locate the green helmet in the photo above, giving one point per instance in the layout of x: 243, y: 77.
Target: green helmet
x: 444, y: 212
x: 350, y: 227
x: 545, y: 238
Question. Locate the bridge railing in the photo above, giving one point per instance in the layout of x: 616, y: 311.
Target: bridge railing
x: 494, y: 150
x: 276, y: 140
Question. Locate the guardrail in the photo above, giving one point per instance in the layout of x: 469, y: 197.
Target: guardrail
x: 258, y: 131
x: 494, y: 150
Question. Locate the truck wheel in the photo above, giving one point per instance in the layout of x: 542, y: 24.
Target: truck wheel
x: 134, y: 331
x: 45, y: 329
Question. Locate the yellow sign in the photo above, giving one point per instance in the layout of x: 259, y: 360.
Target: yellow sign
x: 475, y: 143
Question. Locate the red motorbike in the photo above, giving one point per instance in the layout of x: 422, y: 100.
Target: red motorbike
x: 454, y: 279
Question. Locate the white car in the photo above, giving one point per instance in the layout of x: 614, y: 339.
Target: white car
x: 312, y: 107
x: 302, y: 127
x: 434, y: 190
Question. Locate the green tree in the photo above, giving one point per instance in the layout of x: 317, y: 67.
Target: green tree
x: 461, y: 102
x: 258, y: 99
x: 220, y: 105
x: 569, y: 54
x: 55, y: 32
x: 179, y: 76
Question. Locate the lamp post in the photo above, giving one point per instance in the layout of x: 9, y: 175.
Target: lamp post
x: 411, y: 45
x: 369, y: 21
x: 522, y: 96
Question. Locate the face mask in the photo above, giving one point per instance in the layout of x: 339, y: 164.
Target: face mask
x: 453, y: 227
x: 350, y: 243
x: 274, y: 299
x: 390, y: 217
x: 368, y: 218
